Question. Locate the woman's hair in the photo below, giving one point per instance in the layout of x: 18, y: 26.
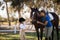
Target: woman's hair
x: 21, y: 19
x: 43, y: 11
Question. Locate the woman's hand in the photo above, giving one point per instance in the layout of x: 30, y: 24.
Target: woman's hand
x: 38, y: 22
x: 42, y: 23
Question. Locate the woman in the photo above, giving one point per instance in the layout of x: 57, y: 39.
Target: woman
x: 46, y: 22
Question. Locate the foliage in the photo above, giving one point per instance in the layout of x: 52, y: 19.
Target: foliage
x: 7, y: 0
x: 17, y: 3
x: 3, y: 19
x: 57, y: 1
x: 0, y: 17
x: 1, y: 3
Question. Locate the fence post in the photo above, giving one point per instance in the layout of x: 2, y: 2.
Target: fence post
x: 15, y: 29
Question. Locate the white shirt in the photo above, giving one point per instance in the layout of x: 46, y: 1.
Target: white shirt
x: 51, y: 16
x: 50, y: 9
x: 59, y: 16
x: 22, y: 26
x: 42, y: 8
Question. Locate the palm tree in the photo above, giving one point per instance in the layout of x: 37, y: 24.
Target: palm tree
x: 7, y: 11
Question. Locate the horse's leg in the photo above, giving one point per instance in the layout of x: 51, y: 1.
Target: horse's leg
x: 53, y: 33
x: 52, y: 30
x: 37, y: 33
x: 41, y: 31
x: 57, y: 31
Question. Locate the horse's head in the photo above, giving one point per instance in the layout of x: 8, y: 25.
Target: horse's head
x: 34, y: 14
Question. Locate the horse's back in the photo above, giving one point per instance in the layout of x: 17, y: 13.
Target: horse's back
x: 55, y: 16
x: 56, y: 19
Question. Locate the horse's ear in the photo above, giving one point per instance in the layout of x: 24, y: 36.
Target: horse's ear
x: 37, y: 10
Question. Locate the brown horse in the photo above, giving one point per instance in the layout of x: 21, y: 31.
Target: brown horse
x: 35, y: 18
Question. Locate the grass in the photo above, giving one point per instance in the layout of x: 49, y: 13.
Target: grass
x: 8, y: 36
x: 11, y: 36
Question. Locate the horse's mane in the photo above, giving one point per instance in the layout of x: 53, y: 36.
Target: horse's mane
x: 35, y: 10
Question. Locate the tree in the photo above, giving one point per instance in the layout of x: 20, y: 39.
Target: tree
x: 7, y: 11
x: 0, y: 18
x: 0, y: 3
x: 17, y: 5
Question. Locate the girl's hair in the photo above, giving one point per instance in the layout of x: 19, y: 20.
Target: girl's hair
x: 21, y: 19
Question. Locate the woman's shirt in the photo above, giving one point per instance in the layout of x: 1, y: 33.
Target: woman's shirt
x: 49, y: 24
x: 47, y: 18
x: 50, y: 9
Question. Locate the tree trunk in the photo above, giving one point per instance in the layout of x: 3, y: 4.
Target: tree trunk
x: 19, y: 13
x: 8, y: 14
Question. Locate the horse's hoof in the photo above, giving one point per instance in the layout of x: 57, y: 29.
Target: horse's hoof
x: 46, y: 38
x: 50, y: 38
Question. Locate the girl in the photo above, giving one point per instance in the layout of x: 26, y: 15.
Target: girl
x: 22, y: 29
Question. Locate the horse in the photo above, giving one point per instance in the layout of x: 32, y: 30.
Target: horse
x: 35, y: 18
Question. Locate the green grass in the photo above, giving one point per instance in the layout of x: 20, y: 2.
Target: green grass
x: 10, y: 36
